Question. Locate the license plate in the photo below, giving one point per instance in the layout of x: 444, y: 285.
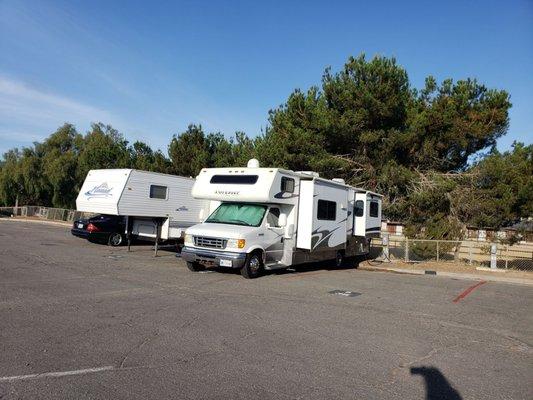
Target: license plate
x: 80, y: 226
x: 225, y: 263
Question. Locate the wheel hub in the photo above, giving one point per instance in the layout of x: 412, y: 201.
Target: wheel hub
x: 255, y: 264
x: 116, y: 239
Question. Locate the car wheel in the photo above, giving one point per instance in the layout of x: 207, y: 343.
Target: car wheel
x: 115, y: 239
x: 253, y: 266
x: 194, y: 266
x: 339, y: 259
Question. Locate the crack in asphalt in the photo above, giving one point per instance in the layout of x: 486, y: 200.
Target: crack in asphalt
x: 138, y: 347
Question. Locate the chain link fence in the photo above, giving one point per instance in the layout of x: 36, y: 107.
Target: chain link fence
x: 47, y: 213
x: 493, y: 255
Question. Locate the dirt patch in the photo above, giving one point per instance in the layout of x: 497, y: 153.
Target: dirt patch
x: 449, y: 267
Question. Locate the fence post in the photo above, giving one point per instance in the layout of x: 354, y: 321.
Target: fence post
x: 493, y: 251
x: 469, y: 253
x: 437, y: 251
x: 406, y: 249
x: 385, y: 244
x: 506, y: 256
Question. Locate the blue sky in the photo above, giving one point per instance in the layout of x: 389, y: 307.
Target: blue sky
x: 151, y: 68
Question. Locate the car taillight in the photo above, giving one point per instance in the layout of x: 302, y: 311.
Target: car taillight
x: 92, y: 228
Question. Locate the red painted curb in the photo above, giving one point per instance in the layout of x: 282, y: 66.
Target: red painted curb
x: 468, y: 291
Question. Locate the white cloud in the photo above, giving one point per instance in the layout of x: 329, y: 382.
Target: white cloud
x: 21, y: 137
x: 23, y: 104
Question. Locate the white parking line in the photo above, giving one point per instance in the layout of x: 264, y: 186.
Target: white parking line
x: 55, y: 374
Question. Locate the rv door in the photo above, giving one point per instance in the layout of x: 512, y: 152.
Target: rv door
x: 359, y: 214
x: 322, y: 216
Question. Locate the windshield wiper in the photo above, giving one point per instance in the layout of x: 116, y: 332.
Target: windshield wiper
x: 239, y: 222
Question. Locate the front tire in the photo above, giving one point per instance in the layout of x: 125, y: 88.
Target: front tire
x: 253, y: 266
x: 115, y: 239
x: 195, y: 267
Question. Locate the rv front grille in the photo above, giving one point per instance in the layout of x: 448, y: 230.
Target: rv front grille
x: 214, y: 243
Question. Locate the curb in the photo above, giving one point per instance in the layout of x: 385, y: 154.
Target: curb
x: 37, y: 221
x: 457, y: 275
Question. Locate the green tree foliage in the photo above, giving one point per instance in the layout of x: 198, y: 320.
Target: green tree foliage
x: 144, y: 158
x: 11, y: 179
x: 499, y: 188
x: 448, y: 124
x: 364, y: 123
x: 51, y: 173
x: 189, y: 151
x: 297, y: 135
x: 103, y: 147
x: 193, y: 150
x: 59, y: 160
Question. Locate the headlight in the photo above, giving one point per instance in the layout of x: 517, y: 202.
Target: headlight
x: 236, y: 243
x: 188, y: 239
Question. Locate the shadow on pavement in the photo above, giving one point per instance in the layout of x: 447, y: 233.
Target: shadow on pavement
x: 327, y: 265
x: 437, y: 386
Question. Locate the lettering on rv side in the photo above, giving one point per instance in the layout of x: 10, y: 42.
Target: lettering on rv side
x: 101, y: 191
x: 227, y: 192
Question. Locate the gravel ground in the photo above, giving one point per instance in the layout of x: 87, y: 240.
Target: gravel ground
x: 452, y: 267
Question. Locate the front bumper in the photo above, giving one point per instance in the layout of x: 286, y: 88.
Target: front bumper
x: 213, y: 257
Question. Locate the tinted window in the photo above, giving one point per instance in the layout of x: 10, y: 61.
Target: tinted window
x: 374, y: 209
x: 359, y: 208
x: 235, y: 179
x: 273, y: 217
x: 158, y: 192
x: 326, y: 210
x: 287, y: 184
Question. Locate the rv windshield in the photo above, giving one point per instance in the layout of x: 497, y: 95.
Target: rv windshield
x: 238, y: 214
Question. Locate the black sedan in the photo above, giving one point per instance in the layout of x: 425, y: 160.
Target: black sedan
x: 102, y: 229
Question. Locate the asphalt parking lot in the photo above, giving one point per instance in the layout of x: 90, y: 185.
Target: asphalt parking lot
x: 86, y: 321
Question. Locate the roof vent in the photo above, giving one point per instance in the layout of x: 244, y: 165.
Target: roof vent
x: 311, y: 173
x: 253, y: 163
x: 339, y: 180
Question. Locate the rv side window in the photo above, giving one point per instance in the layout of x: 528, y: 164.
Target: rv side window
x: 326, y: 210
x: 359, y: 208
x: 273, y: 217
x: 235, y: 179
x: 287, y: 184
x: 374, y: 209
x: 158, y: 192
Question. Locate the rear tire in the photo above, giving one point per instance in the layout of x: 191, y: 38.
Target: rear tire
x: 195, y: 267
x: 253, y: 266
x: 115, y: 239
x: 339, y: 259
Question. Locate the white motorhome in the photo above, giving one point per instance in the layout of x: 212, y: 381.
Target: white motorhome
x: 150, y: 200
x: 272, y: 218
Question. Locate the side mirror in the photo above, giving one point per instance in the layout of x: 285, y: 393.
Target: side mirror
x: 289, y: 231
x: 282, y: 221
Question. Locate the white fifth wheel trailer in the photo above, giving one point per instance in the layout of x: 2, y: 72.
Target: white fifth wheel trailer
x: 270, y: 218
x: 151, y: 201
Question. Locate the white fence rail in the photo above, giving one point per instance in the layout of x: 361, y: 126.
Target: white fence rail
x: 48, y: 213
